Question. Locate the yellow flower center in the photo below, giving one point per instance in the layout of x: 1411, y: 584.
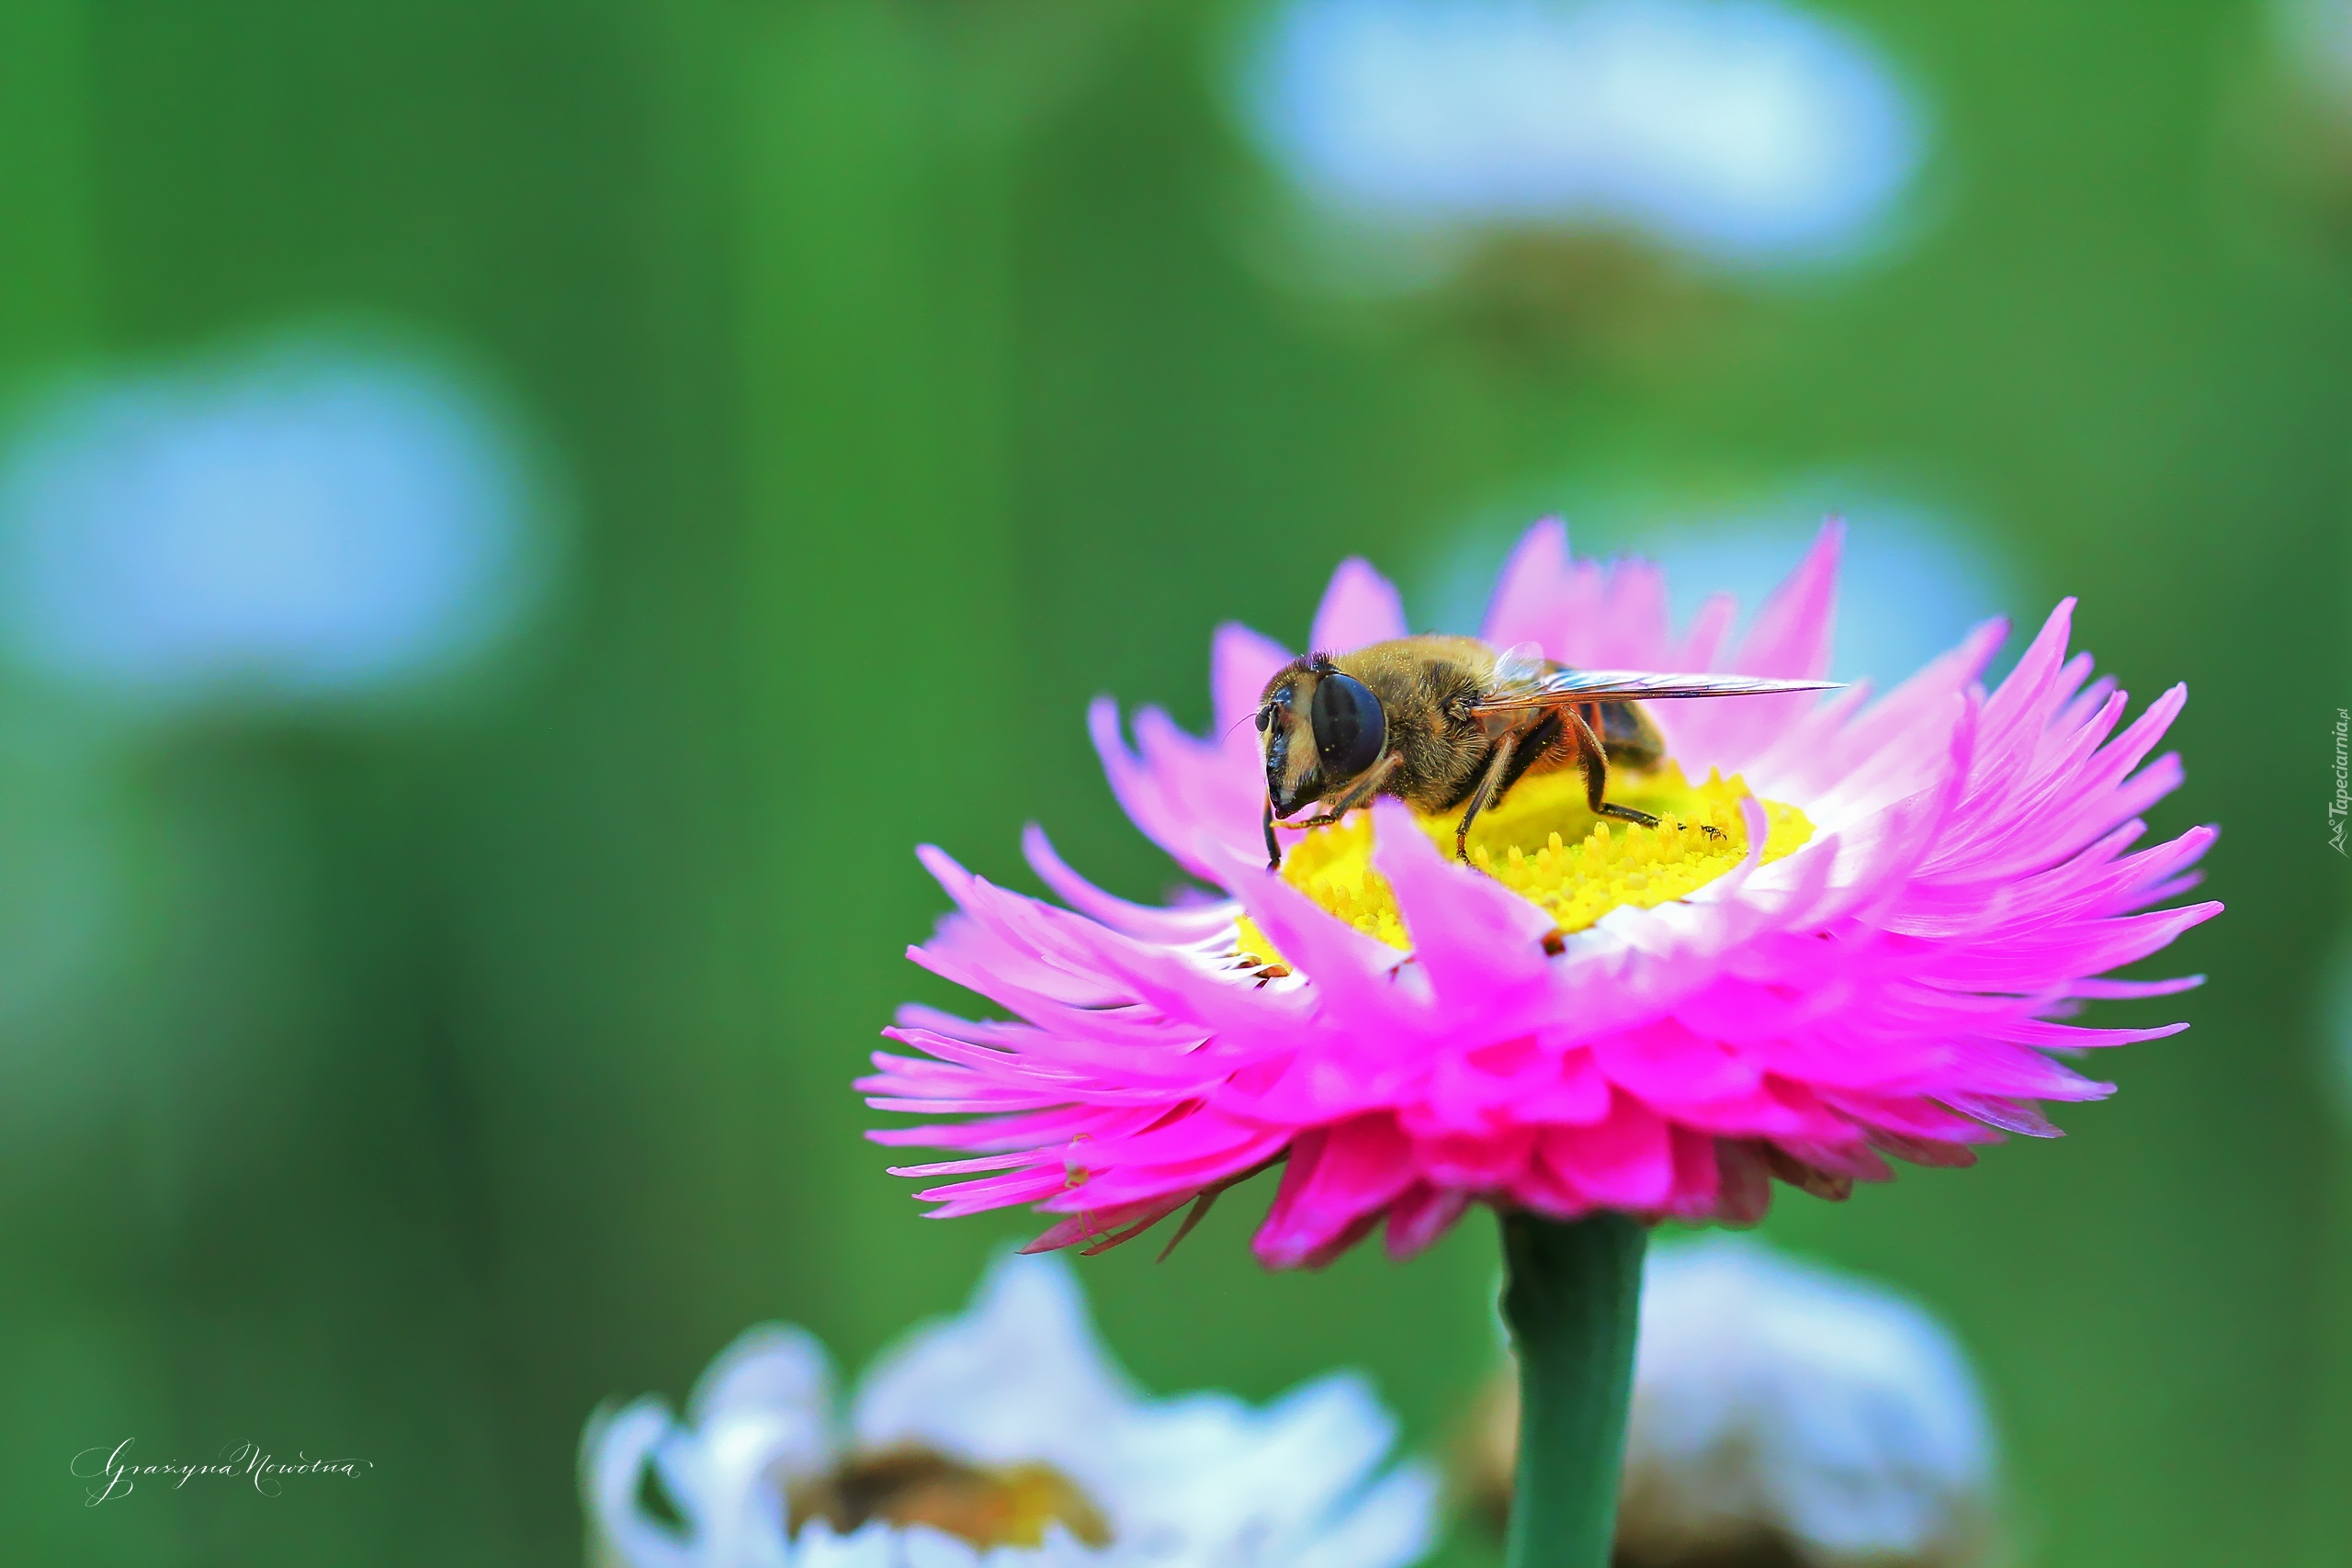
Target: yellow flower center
x: 987, y: 1506
x: 1545, y: 844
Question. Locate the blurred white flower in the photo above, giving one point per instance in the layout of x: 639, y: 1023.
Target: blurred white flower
x: 300, y: 521
x: 1001, y: 1436
x: 1782, y: 1415
x: 1743, y: 131
x: 2315, y: 37
x: 1777, y: 1401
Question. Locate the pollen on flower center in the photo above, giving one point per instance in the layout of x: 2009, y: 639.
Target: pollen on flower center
x: 987, y: 1505
x: 1543, y: 843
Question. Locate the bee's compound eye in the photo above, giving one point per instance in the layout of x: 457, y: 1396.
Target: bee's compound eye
x: 1265, y: 718
x: 1350, y: 727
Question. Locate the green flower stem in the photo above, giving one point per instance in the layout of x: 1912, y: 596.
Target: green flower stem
x: 1571, y: 1298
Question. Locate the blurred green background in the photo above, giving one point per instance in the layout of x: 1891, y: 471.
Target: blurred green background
x: 398, y: 1078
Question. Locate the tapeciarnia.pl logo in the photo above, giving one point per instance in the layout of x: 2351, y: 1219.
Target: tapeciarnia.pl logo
x: 2337, y: 807
x: 114, y: 1474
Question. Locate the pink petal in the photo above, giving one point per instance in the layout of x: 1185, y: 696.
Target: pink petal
x: 1240, y: 663
x: 1359, y: 607
x: 1624, y: 1162
x: 1421, y: 1216
x: 1527, y: 604
x: 1360, y: 1168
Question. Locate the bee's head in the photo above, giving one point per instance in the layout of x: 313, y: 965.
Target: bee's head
x: 1320, y: 728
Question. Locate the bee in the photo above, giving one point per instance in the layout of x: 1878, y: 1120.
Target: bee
x: 1442, y: 722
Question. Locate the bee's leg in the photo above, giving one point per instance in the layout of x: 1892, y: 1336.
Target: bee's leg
x: 1594, y: 760
x: 1364, y: 789
x: 1491, y: 785
x: 1274, y: 845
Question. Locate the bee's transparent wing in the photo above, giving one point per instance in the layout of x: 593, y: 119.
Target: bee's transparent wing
x: 1632, y: 685
x: 1520, y: 667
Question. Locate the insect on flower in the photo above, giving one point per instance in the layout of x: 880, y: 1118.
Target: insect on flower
x: 1878, y: 952
x: 1442, y: 722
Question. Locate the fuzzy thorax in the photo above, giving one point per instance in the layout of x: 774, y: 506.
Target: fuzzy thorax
x: 1542, y: 843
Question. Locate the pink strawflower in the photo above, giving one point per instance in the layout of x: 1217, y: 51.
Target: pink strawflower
x: 1913, y: 894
